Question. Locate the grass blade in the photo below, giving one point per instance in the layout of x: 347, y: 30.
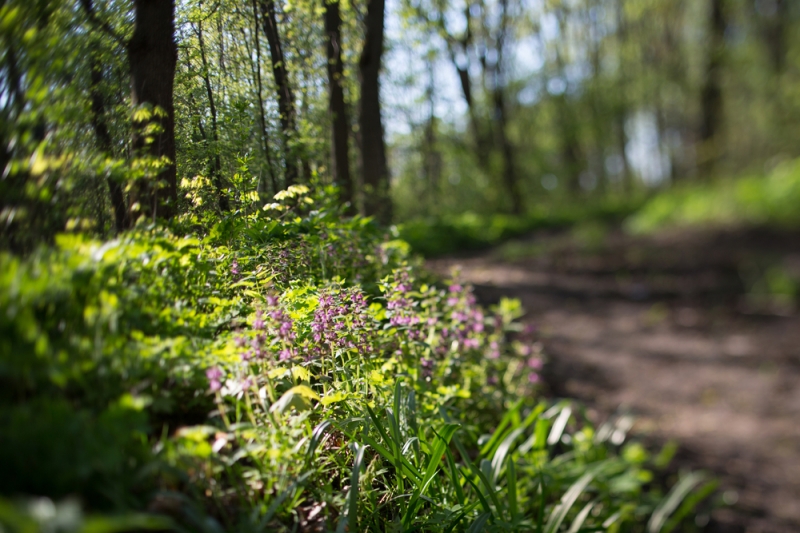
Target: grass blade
x: 502, y: 451
x: 581, y: 518
x: 477, y: 525
x: 442, y: 441
x: 455, y: 478
x: 559, y: 513
x: 350, y: 519
x: 499, y: 432
x: 559, y: 425
x: 672, y: 501
x: 316, y: 437
x: 689, y: 504
x: 511, y: 480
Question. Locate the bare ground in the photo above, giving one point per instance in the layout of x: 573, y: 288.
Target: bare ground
x: 680, y: 330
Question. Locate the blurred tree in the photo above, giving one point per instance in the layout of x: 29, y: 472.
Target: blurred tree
x: 153, y: 54
x: 374, y: 168
x: 340, y: 129
x: 286, y: 101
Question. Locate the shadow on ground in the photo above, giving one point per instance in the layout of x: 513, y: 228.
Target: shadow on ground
x: 693, y: 332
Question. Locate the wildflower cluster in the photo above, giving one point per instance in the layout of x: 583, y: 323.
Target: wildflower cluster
x: 340, y: 323
x: 444, y: 332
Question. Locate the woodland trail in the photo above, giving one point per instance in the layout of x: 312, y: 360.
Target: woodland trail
x: 680, y: 330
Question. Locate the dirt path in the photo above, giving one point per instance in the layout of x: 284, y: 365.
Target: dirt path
x: 680, y: 330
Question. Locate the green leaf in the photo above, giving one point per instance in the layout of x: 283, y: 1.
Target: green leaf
x: 333, y: 397
x: 672, y: 501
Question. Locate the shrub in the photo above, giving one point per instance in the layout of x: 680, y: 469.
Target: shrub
x: 289, y: 369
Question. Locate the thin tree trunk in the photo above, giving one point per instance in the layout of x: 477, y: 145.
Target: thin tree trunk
x: 269, y: 21
x: 340, y: 122
x: 711, y: 93
x: 373, y: 150
x: 775, y: 35
x: 260, y: 91
x: 215, y: 164
x: 621, y: 107
x: 510, y: 179
x: 121, y: 221
x: 432, y: 167
x: 570, y: 146
x: 152, y: 54
x: 481, y: 139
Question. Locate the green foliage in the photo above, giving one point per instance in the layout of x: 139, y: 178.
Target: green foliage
x: 288, y: 367
x: 749, y: 200
x: 471, y: 231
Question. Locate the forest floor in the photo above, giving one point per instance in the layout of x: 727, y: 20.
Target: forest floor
x: 680, y: 330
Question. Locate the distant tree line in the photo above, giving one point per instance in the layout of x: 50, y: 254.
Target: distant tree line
x: 565, y: 99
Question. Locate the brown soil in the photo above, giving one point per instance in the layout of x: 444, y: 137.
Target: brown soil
x: 679, y: 330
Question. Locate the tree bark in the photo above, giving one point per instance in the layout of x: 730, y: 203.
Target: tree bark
x: 621, y: 104
x: 711, y: 93
x: 152, y: 55
x: 774, y: 35
x: 510, y: 179
x: 373, y: 150
x: 340, y: 122
x: 269, y: 21
x: 432, y: 159
x: 260, y: 92
x: 482, y: 140
x: 121, y: 220
x: 215, y: 164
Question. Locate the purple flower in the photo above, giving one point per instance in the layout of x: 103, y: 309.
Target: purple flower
x: 533, y: 377
x: 535, y: 362
x: 214, y: 374
x: 471, y: 344
x: 258, y: 323
x: 455, y: 288
x: 285, y: 354
x: 235, y: 267
x: 494, y: 350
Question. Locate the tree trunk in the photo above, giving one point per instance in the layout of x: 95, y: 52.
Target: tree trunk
x: 510, y: 179
x: 711, y: 93
x: 483, y: 144
x: 215, y: 164
x: 621, y: 105
x: 432, y: 159
x: 774, y: 34
x: 340, y: 123
x: 373, y: 150
x: 121, y: 221
x: 152, y: 54
x: 269, y: 21
x: 259, y: 93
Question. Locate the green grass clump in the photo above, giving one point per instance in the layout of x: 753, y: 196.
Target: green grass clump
x: 749, y: 200
x: 436, y: 236
x: 289, y: 370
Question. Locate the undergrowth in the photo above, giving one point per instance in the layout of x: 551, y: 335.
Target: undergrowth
x: 447, y: 234
x: 749, y: 200
x: 292, y: 370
